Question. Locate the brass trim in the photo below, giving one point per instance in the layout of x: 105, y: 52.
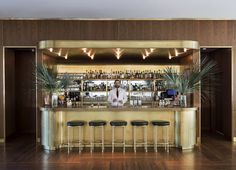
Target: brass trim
x: 115, y: 19
x: 2, y: 140
x: 179, y: 109
x: 232, y: 91
x: 4, y: 94
x: 45, y: 44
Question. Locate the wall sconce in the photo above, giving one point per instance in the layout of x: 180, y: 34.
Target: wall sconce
x: 66, y: 56
x: 147, y: 52
x: 59, y: 52
x: 89, y: 52
x: 170, y: 57
x: 176, y: 52
x: 118, y: 52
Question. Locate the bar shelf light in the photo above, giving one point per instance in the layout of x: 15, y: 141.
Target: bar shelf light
x: 147, y: 52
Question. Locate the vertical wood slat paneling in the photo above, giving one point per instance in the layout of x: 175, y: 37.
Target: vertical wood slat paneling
x: 220, y: 33
x: 100, y: 30
x: 135, y: 30
x: 127, y: 30
x: 174, y: 30
x: 205, y: 33
x: 29, y: 32
x: 215, y: 33
x: 51, y: 30
x: 20, y: 33
x: 77, y: 30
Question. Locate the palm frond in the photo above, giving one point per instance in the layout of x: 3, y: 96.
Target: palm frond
x: 47, y: 79
x: 199, y: 76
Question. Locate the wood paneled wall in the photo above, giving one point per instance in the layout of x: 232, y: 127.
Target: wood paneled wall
x: 25, y: 92
x: 10, y: 98
x: 30, y: 32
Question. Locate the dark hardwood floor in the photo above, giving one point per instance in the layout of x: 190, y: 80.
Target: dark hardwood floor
x: 22, y: 153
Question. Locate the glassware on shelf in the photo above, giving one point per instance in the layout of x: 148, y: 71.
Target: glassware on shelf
x: 127, y: 74
x: 61, y: 99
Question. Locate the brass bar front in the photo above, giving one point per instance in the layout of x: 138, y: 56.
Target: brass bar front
x: 182, y: 124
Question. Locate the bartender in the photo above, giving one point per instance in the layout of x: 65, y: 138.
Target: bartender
x: 117, y: 96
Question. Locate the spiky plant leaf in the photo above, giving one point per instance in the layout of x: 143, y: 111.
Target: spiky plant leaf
x: 199, y: 76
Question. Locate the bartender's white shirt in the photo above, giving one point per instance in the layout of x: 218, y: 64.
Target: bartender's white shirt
x: 122, y: 96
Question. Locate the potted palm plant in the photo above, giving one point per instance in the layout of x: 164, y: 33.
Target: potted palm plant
x: 50, y: 84
x: 196, y: 77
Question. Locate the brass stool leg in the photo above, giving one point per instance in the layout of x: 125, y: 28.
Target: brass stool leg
x: 167, y: 138
x: 145, y: 138
x: 134, y: 131
x: 80, y: 139
x: 113, y: 138
x: 123, y: 138
x: 91, y: 138
x: 68, y: 139
x: 102, y: 138
x: 155, y: 138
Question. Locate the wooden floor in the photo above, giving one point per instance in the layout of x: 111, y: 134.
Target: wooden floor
x: 22, y: 153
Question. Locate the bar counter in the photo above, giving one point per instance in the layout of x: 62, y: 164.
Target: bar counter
x: 182, y: 131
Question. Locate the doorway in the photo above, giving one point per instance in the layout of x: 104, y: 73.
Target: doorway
x: 20, y: 93
x: 216, y: 111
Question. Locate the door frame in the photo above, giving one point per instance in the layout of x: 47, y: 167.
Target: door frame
x: 4, y: 90
x: 233, y: 139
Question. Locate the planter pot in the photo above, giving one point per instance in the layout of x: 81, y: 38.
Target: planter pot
x: 183, y: 100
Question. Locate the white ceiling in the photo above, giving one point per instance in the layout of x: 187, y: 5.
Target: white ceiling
x: 118, y: 9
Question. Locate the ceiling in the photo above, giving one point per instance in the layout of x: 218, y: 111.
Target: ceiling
x: 118, y: 9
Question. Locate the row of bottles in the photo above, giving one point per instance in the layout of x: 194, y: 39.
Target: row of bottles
x: 141, y: 87
x: 128, y: 74
x: 91, y: 86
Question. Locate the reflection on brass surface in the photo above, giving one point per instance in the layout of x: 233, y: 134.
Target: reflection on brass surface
x: 136, y: 109
x: 182, y: 124
x: 116, y: 43
x: 141, y: 48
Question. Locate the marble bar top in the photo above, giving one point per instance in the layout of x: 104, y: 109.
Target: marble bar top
x: 117, y: 109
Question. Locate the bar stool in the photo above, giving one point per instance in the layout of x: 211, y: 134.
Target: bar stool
x: 93, y: 124
x: 72, y: 125
x: 143, y: 124
x: 114, y: 124
x: 165, y: 126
